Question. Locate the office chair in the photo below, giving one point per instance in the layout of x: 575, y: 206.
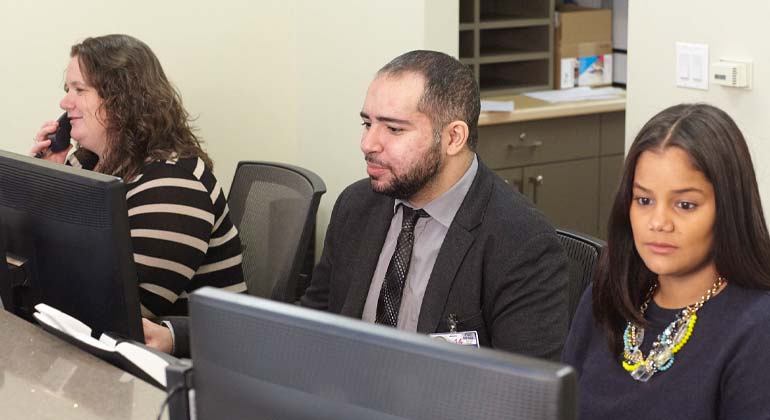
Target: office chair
x: 274, y: 206
x: 583, y: 252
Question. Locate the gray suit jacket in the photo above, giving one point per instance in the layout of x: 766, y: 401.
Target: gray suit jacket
x: 500, y: 269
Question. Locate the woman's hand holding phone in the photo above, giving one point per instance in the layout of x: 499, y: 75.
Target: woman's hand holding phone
x: 42, y: 146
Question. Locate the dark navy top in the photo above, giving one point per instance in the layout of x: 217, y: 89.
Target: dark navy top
x: 723, y: 372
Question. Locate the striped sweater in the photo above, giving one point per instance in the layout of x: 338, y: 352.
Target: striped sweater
x: 182, y: 235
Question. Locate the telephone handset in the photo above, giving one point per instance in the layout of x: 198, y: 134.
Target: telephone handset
x: 60, y: 140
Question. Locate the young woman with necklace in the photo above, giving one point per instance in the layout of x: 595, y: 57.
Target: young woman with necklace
x: 677, y: 321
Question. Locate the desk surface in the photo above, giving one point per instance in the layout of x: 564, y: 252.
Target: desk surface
x: 529, y: 109
x: 43, y: 377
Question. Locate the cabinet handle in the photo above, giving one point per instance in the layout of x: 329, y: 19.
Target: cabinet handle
x: 535, y: 181
x: 523, y: 143
x: 519, y: 184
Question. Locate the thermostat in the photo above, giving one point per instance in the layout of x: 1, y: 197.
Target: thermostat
x: 731, y: 73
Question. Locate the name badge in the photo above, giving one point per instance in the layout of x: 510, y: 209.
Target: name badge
x: 464, y: 338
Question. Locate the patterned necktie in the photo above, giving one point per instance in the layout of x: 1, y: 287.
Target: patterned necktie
x: 389, y: 302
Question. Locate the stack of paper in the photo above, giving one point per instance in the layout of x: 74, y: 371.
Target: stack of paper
x: 577, y: 94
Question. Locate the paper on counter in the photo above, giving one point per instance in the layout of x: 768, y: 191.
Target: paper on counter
x: 496, y: 106
x: 583, y: 93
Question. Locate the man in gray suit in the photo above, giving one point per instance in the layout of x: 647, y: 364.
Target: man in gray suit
x: 471, y: 255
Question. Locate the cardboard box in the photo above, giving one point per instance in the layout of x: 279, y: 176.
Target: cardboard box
x: 583, y: 47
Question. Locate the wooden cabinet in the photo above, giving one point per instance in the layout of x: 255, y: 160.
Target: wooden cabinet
x: 566, y: 192
x: 568, y: 167
x: 610, y: 168
x: 508, y: 44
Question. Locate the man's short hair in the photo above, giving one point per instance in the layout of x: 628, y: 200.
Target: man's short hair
x: 451, y: 92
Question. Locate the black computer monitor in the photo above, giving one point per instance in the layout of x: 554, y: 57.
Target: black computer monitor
x: 256, y: 358
x: 69, y: 228
x: 6, y: 295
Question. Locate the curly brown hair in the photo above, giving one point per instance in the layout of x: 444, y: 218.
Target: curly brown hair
x: 145, y: 119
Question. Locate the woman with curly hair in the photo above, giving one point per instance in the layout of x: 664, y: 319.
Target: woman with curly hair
x: 128, y: 121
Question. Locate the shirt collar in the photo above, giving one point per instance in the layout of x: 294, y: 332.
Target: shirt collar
x: 444, y: 207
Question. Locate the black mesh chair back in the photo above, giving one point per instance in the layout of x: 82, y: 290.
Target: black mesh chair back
x: 274, y: 206
x: 583, y: 252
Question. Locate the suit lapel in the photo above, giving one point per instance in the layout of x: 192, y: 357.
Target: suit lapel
x: 457, y: 242
x: 366, y: 256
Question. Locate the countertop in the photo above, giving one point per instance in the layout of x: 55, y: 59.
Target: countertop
x: 529, y: 109
x: 43, y: 377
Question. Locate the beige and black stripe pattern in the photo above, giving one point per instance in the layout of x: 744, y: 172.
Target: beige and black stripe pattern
x: 182, y: 235
x: 181, y: 232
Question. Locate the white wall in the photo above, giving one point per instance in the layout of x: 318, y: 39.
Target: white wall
x: 736, y: 29
x: 339, y: 51
x: 277, y: 80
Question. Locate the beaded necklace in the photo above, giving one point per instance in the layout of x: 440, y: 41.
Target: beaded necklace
x: 669, y: 342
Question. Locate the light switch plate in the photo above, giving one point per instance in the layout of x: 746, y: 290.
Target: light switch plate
x: 692, y: 65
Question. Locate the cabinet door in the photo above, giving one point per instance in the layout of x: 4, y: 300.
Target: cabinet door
x: 539, y: 142
x: 513, y: 177
x: 613, y: 133
x: 567, y: 193
x: 609, y: 169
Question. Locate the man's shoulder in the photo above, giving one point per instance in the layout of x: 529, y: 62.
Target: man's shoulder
x: 359, y: 197
x: 360, y: 193
x: 510, y: 208
x: 362, y: 187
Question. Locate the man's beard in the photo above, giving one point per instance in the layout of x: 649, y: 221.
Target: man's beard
x: 417, y: 177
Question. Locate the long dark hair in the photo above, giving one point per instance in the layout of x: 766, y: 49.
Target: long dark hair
x: 741, y: 246
x: 145, y: 119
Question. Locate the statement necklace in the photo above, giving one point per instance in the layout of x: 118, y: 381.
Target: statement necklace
x: 669, y: 342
